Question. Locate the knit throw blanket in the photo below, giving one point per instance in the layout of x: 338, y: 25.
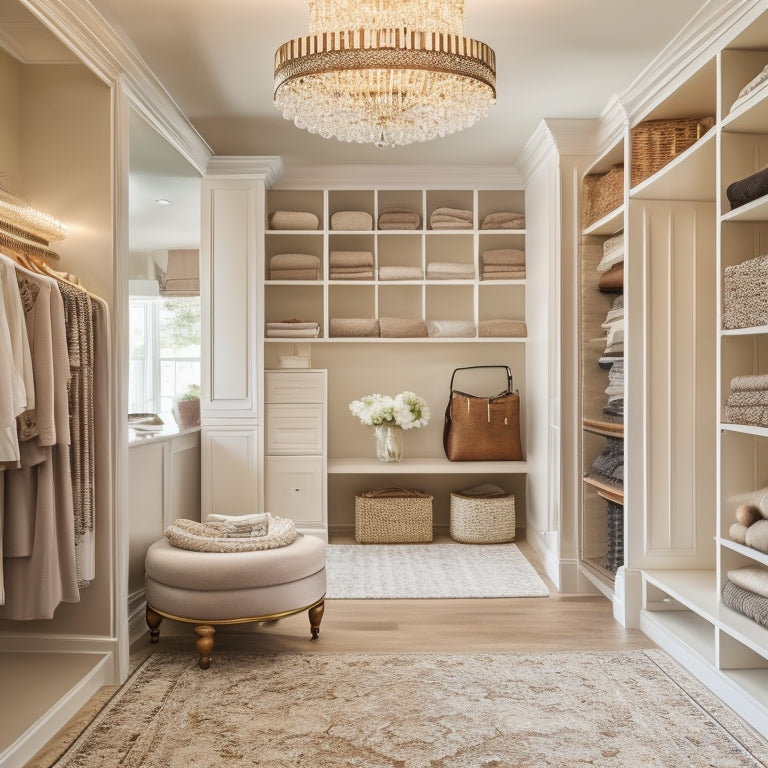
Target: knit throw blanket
x: 211, y: 537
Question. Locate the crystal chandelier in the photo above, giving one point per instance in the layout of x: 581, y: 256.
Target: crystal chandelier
x: 385, y: 72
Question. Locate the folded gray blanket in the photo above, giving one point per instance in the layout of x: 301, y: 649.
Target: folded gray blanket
x: 746, y: 602
x: 748, y: 189
x: 293, y: 220
x: 401, y: 327
x: 354, y: 326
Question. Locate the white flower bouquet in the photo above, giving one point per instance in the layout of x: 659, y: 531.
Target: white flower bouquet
x: 406, y: 410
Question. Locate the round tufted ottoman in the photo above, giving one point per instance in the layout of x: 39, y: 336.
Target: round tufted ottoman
x: 210, y: 588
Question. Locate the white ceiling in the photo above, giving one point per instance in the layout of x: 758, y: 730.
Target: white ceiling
x: 556, y: 58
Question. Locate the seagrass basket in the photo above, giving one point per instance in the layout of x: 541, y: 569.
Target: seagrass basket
x: 478, y: 520
x: 656, y: 142
x: 602, y: 193
x: 385, y: 516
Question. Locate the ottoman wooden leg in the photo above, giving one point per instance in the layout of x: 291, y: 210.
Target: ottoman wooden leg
x: 153, y: 622
x: 315, y: 617
x: 204, y: 644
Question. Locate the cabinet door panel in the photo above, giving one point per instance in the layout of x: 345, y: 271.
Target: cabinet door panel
x: 294, y: 487
x: 230, y: 470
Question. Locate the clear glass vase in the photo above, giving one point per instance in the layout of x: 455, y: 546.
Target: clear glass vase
x: 389, y: 442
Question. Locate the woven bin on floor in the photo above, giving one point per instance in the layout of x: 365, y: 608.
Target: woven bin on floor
x: 657, y: 142
x: 405, y: 519
x: 745, y: 294
x: 482, y: 520
x: 602, y: 193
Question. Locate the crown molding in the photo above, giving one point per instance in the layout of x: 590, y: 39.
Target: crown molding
x: 246, y: 167
x: 698, y: 42
x: 87, y: 34
x: 311, y: 176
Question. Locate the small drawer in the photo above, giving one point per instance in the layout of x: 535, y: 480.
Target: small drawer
x: 294, y: 488
x: 294, y: 429
x: 294, y: 387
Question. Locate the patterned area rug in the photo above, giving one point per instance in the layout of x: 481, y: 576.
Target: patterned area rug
x: 362, y: 571
x: 460, y: 710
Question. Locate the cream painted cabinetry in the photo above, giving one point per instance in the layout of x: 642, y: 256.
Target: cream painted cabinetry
x: 295, y: 447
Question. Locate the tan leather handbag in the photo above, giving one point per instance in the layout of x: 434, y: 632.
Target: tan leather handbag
x: 483, y: 428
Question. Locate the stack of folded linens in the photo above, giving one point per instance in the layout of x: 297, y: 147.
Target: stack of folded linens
x: 748, y: 401
x: 293, y: 220
x: 746, y: 591
x: 401, y: 328
x: 293, y: 329
x: 613, y: 253
x: 450, y: 218
x: 353, y: 327
x: 350, y: 265
x: 399, y: 218
x: 450, y: 270
x: 614, y: 328
x: 294, y: 266
x: 352, y: 221
x: 451, y: 328
x: 614, y: 553
x: 240, y: 526
x: 401, y: 273
x: 748, y: 189
x: 503, y: 264
x: 614, y: 408
x: 502, y: 328
x: 608, y: 467
x: 504, y: 220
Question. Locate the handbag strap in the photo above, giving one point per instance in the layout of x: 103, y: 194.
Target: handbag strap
x: 385, y: 493
x: 476, y: 367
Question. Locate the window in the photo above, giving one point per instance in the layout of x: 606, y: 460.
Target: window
x: 165, y: 351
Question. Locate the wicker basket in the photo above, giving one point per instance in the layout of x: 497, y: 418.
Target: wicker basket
x: 478, y: 520
x: 393, y: 516
x: 745, y: 294
x: 657, y: 142
x: 602, y: 193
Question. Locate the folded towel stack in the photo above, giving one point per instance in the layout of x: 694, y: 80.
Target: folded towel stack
x: 352, y: 221
x: 350, y: 265
x: 614, y: 409
x: 401, y: 328
x: 502, y: 328
x: 451, y: 328
x: 450, y: 218
x: 746, y: 591
x: 450, y: 270
x: 504, y: 220
x: 294, y: 266
x: 745, y: 287
x: 293, y: 220
x: 748, y: 401
x: 240, y: 526
x: 353, y: 327
x: 399, y: 218
x: 614, y: 327
x: 503, y: 264
x: 613, y: 252
x: 401, y: 273
x: 614, y: 551
x: 293, y: 329
x: 608, y: 467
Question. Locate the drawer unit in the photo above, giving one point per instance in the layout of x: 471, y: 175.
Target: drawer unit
x: 295, y: 441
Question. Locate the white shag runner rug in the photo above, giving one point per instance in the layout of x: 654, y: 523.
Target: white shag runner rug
x: 363, y: 571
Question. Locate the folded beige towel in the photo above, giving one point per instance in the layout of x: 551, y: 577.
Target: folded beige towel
x: 452, y: 328
x: 450, y: 270
x: 742, y: 383
x: 350, y: 259
x: 491, y: 268
x: 504, y: 220
x: 502, y: 328
x: 401, y: 273
x: 289, y: 333
x: 504, y: 256
x: 293, y: 324
x: 517, y: 274
x: 401, y: 327
x: 454, y: 213
x: 294, y: 274
x: 294, y: 261
x: 751, y: 577
x: 293, y: 220
x: 351, y: 220
x: 399, y: 218
x: 354, y: 326
x: 351, y: 273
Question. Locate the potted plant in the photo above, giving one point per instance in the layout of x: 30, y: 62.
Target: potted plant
x: 186, y: 409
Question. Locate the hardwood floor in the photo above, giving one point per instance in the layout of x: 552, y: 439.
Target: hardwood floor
x: 560, y: 622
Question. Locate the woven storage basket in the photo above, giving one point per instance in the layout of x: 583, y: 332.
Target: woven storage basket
x: 745, y: 294
x: 602, y: 193
x: 391, y: 518
x: 656, y: 142
x: 478, y: 520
